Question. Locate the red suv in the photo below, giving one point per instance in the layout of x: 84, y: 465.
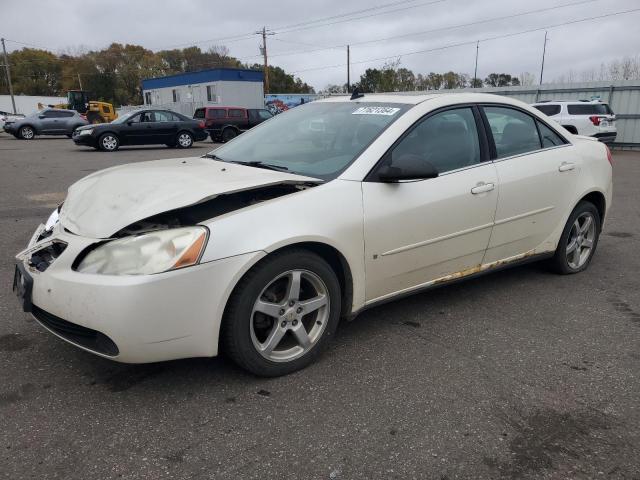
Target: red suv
x: 225, y: 123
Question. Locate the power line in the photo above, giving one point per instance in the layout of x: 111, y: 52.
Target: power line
x: 425, y: 32
x: 472, y: 42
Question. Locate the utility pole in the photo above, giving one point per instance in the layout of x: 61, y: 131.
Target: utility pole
x: 8, y: 71
x: 348, y: 71
x: 80, y: 82
x: 475, y: 70
x: 544, y: 51
x: 263, y: 50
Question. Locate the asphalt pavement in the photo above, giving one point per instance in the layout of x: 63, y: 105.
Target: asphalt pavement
x: 517, y: 374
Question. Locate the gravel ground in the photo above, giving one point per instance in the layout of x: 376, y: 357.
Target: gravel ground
x: 519, y: 374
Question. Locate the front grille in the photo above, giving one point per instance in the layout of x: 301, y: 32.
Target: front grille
x: 83, y: 336
x: 44, y: 257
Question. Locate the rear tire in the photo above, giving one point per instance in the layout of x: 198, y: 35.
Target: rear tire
x: 229, y: 134
x: 184, y: 140
x: 578, y: 241
x: 270, y: 327
x: 27, y: 132
x: 108, y: 142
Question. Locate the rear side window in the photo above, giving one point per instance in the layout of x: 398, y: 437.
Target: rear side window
x: 164, y: 117
x: 199, y: 113
x: 216, y: 113
x: 549, y: 110
x: 514, y: 132
x: 448, y: 140
x: 236, y: 113
x: 589, y: 109
x: 548, y: 137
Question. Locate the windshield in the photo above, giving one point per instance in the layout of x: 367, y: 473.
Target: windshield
x: 125, y: 117
x: 317, y: 139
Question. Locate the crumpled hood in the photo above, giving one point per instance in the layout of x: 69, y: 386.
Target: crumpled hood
x: 105, y: 202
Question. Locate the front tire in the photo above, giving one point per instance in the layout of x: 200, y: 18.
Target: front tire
x: 27, y: 133
x: 282, y: 314
x: 108, y: 142
x: 184, y: 140
x: 578, y: 241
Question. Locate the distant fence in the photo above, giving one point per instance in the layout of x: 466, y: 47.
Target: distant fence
x: 622, y: 96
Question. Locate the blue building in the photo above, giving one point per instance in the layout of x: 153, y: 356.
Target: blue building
x: 184, y: 92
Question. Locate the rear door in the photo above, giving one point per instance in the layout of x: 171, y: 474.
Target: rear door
x: 537, y: 170
x: 238, y: 118
x: 419, y: 231
x: 165, y: 127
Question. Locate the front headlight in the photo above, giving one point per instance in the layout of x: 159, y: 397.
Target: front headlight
x: 86, y: 132
x: 53, y: 219
x: 152, y: 252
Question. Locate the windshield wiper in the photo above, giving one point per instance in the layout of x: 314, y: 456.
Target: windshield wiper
x: 213, y: 155
x: 266, y: 166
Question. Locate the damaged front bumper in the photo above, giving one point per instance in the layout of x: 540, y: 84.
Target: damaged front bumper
x: 128, y: 318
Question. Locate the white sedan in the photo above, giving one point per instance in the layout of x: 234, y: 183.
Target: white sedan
x: 260, y: 247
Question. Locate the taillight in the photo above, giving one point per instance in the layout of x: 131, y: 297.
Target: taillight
x: 595, y: 120
x: 201, y: 123
x: 609, y: 156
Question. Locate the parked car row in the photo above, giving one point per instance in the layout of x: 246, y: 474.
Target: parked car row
x: 139, y: 127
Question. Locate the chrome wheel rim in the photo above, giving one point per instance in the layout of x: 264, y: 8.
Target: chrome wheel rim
x: 289, y: 316
x: 27, y: 133
x: 109, y: 142
x: 184, y: 140
x: 581, y: 240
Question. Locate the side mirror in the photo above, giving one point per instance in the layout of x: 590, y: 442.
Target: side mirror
x: 129, y: 123
x: 407, y: 167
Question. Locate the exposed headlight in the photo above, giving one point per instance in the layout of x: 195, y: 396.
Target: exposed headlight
x: 148, y: 253
x: 89, y: 131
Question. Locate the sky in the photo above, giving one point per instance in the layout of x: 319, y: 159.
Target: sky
x: 425, y: 35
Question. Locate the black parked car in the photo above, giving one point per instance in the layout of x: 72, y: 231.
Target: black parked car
x: 142, y: 127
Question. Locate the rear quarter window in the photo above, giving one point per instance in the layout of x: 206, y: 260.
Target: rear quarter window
x: 589, y: 109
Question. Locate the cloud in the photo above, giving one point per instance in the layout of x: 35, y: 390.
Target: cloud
x: 66, y: 24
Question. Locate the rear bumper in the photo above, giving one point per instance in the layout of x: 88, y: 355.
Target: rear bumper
x: 200, y: 135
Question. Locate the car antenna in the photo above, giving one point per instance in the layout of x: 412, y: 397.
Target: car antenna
x: 356, y: 94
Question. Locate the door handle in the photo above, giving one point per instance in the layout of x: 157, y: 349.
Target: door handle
x: 566, y: 166
x: 482, y: 188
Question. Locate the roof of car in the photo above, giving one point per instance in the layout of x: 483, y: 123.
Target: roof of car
x: 576, y: 102
x: 418, y: 97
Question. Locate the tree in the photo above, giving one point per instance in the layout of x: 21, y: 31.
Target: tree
x: 501, y: 80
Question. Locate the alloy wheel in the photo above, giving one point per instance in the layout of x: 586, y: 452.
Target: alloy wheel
x: 290, y: 315
x: 581, y: 240
x: 109, y: 142
x: 27, y: 133
x: 184, y: 140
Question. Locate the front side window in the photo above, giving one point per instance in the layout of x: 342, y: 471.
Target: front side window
x: 264, y: 114
x: 448, y: 140
x: 146, y: 117
x: 318, y: 139
x: 514, y: 132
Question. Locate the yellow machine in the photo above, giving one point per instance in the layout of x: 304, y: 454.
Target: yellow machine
x: 95, y: 111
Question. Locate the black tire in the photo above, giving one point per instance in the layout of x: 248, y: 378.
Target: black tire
x: 27, y: 132
x: 229, y: 134
x: 560, y: 263
x: 184, y: 140
x: 236, y: 328
x: 108, y: 142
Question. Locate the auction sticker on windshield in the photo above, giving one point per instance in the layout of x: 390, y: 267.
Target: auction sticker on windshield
x: 375, y: 111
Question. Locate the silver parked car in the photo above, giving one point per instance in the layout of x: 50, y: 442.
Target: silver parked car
x: 48, y: 121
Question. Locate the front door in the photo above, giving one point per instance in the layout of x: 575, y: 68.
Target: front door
x: 417, y: 232
x: 538, y: 172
